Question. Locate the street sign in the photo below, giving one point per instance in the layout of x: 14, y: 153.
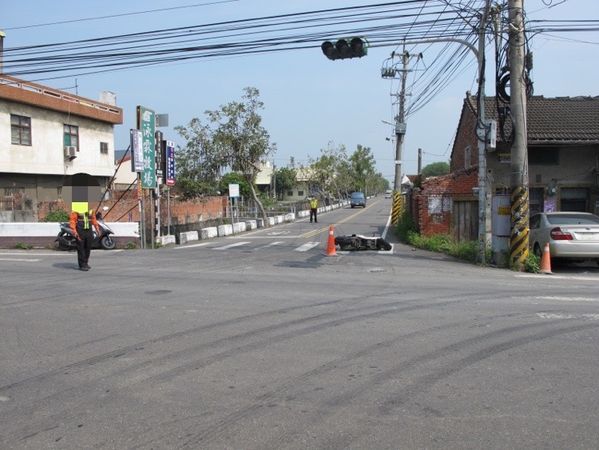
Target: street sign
x: 170, y: 163
x: 146, y: 122
x: 233, y: 190
x: 137, y: 156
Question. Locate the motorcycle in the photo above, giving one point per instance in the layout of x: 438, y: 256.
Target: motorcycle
x: 66, y: 241
x: 359, y: 242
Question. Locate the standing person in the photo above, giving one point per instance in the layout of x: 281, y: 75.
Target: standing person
x: 81, y: 226
x: 313, y: 209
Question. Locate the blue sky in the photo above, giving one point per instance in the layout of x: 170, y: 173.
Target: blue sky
x: 310, y: 102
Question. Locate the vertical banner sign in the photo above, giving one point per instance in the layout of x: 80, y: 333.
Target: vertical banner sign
x: 146, y: 122
x: 137, y: 156
x: 170, y: 163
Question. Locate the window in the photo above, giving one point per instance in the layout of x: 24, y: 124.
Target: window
x: 543, y: 156
x: 71, y: 136
x: 467, y: 157
x: 104, y: 147
x: 20, y: 130
x: 289, y: 193
x: 300, y: 193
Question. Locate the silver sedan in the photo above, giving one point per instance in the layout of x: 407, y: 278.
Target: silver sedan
x: 572, y: 235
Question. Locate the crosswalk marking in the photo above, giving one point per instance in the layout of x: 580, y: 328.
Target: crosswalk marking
x: 272, y: 244
x: 307, y: 246
x: 19, y: 259
x: 193, y: 245
x: 236, y: 244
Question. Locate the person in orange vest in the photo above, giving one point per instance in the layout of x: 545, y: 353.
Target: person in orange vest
x: 313, y: 209
x: 81, y: 223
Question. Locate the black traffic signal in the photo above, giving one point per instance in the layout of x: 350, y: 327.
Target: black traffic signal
x: 344, y: 49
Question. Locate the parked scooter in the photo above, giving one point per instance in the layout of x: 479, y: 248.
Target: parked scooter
x: 66, y: 241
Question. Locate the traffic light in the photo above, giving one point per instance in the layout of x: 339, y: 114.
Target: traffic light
x: 344, y: 49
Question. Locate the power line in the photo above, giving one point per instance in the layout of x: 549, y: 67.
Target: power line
x: 112, y: 16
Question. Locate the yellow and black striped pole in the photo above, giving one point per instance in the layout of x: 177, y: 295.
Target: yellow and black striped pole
x: 520, y: 230
x: 397, y: 208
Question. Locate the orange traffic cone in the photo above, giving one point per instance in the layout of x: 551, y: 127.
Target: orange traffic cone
x: 331, y: 249
x: 546, y: 260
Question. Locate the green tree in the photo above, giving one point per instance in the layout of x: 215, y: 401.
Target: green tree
x: 198, y: 167
x: 231, y: 138
x: 240, y: 139
x: 363, y: 168
x: 285, y: 179
x: 435, y: 169
x: 234, y: 178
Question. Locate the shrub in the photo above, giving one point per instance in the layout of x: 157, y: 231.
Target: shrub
x: 532, y: 263
x: 405, y: 226
x: 23, y: 246
x: 443, y: 243
x: 58, y: 215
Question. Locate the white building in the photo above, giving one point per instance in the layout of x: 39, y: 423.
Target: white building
x: 45, y: 136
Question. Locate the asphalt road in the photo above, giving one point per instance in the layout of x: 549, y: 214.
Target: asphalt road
x: 260, y: 341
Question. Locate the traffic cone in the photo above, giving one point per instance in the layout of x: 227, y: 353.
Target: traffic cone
x: 546, y: 260
x: 331, y: 249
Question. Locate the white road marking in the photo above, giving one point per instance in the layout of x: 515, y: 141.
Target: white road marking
x: 19, y: 259
x: 545, y: 277
x: 568, y: 316
x: 193, y: 245
x: 568, y: 299
x: 272, y: 244
x: 387, y: 252
x: 37, y: 254
x: 307, y: 246
x: 226, y: 247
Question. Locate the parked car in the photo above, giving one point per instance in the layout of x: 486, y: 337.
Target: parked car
x: 571, y: 235
x: 357, y: 199
x: 388, y: 193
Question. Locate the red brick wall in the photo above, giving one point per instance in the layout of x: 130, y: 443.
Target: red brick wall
x: 442, y: 191
x: 466, y: 136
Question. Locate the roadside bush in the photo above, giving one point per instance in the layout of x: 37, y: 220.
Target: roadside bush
x: 532, y: 263
x: 23, y: 246
x: 405, y: 226
x: 58, y: 215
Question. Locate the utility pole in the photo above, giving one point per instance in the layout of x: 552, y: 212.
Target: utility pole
x: 519, y: 152
x: 419, y: 161
x: 400, y: 130
x: 481, y: 129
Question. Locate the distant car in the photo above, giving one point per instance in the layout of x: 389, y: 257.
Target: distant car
x: 571, y: 235
x: 357, y: 199
x: 388, y: 193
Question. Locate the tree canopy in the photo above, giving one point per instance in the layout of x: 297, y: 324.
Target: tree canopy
x: 230, y: 137
x: 435, y: 169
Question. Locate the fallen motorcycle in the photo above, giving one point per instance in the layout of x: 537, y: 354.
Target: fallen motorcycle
x: 359, y: 242
x: 66, y: 241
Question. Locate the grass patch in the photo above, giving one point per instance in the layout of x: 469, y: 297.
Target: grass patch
x: 23, y: 246
x: 442, y: 243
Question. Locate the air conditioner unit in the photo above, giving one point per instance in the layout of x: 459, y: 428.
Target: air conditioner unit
x: 70, y: 152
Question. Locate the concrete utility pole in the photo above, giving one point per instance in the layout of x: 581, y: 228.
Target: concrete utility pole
x: 481, y: 129
x: 400, y: 122
x: 519, y: 153
x: 400, y: 131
